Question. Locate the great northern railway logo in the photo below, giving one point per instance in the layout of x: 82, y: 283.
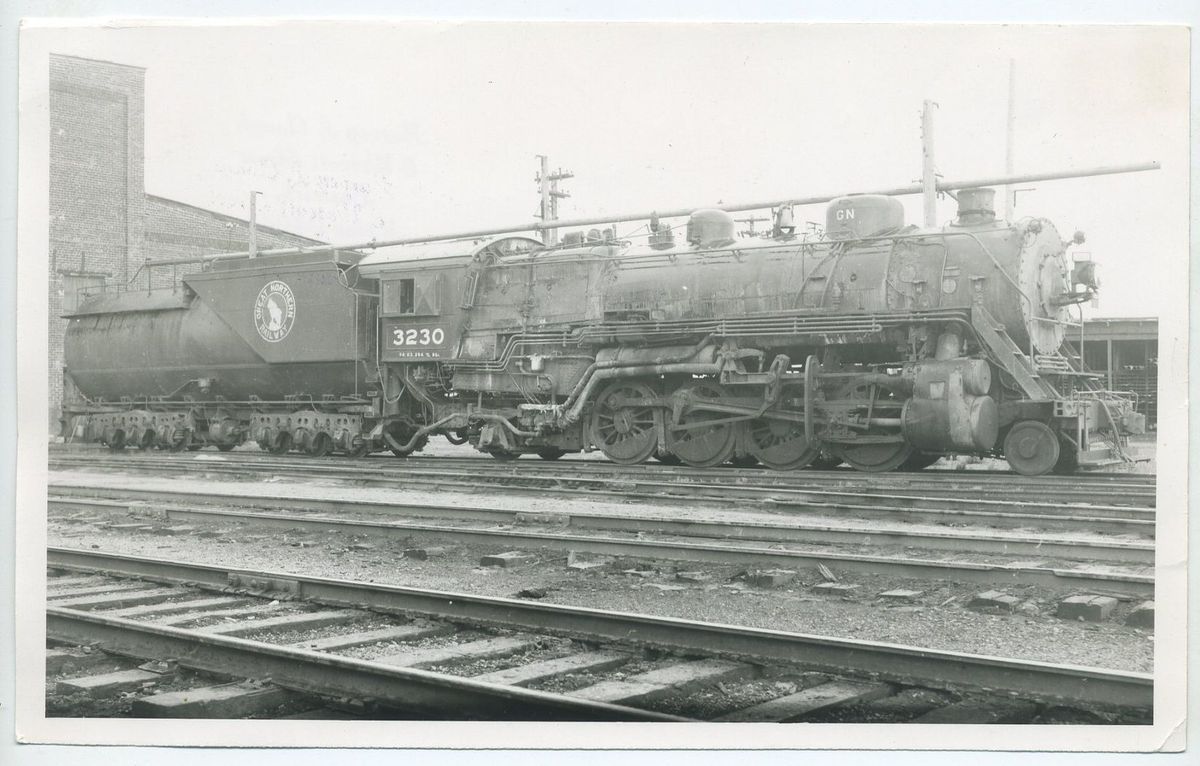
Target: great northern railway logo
x: 274, y: 311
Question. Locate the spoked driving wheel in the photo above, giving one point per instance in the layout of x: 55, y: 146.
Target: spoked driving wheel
x: 695, y: 443
x: 779, y: 444
x: 624, y: 429
x: 878, y: 450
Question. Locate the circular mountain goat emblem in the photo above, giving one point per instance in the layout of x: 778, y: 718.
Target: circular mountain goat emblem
x: 274, y: 311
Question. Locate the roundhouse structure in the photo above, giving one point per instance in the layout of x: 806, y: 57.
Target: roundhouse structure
x: 1124, y: 351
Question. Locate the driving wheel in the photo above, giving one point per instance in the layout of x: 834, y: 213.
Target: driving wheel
x: 779, y: 444
x: 875, y: 452
x: 695, y: 443
x: 625, y: 430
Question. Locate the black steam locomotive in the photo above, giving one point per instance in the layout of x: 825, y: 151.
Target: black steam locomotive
x: 880, y: 344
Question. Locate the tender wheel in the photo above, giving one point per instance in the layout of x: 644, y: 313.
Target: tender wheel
x: 779, y: 444
x: 624, y: 430
x: 1031, y: 448
x: 876, y: 458
x: 321, y: 445
x: 551, y: 453
x: 281, y: 444
x: 702, y: 446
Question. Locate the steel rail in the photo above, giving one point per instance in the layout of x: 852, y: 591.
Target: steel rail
x: 1072, y: 518
x: 939, y: 480
x: 331, y: 675
x: 1080, y: 481
x: 958, y: 571
x: 616, y: 485
x: 903, y: 664
x: 1136, y: 553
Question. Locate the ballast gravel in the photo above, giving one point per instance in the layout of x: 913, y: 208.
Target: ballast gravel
x: 937, y: 619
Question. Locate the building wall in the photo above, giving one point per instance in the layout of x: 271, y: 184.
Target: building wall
x: 102, y: 223
x: 1125, y: 352
x: 97, y: 197
x: 178, y: 230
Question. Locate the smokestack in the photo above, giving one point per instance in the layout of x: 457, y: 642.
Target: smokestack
x: 976, y: 206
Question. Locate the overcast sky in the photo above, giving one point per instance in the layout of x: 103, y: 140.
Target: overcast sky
x: 354, y: 131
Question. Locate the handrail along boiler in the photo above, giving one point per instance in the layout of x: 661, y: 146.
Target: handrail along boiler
x: 880, y: 344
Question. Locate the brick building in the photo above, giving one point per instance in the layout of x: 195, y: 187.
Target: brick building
x: 177, y: 229
x: 102, y: 222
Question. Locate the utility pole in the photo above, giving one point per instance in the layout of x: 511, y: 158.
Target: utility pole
x: 548, y: 188
x: 928, y: 173
x: 1010, y: 193
x: 254, y: 224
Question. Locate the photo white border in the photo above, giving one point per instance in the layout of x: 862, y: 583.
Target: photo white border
x: 29, y: 563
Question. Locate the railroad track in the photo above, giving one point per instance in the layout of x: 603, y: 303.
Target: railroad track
x: 1024, y: 560
x: 1007, y: 506
x: 1133, y: 489
x: 451, y: 655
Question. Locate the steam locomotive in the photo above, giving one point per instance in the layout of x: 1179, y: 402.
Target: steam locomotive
x: 878, y: 344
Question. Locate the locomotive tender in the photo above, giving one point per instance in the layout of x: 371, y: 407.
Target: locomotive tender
x: 880, y: 344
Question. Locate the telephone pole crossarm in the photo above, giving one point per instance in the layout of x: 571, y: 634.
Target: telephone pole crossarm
x: 547, y: 182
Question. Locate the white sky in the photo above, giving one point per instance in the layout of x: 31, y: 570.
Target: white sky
x: 354, y: 131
